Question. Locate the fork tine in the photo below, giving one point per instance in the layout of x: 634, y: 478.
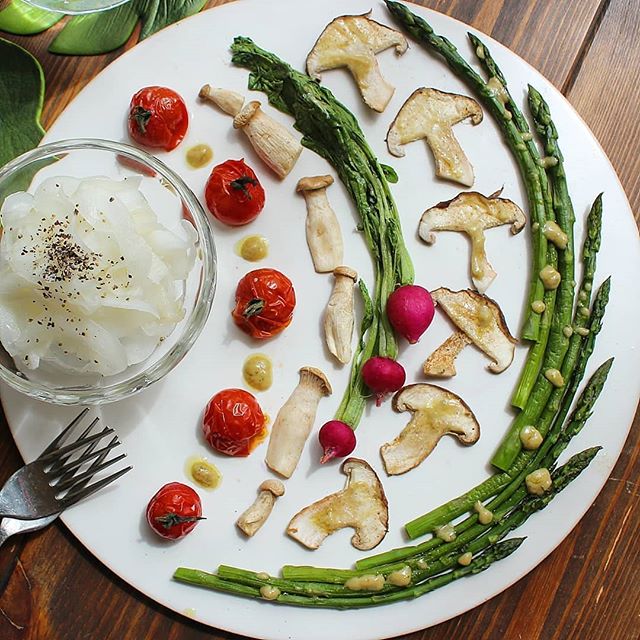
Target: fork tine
x: 87, y: 455
x: 61, y: 437
x: 88, y: 474
x: 78, y: 444
x: 64, y: 458
x: 75, y: 495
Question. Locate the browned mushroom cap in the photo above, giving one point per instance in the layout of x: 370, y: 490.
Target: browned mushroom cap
x: 431, y: 114
x: 353, y: 42
x: 273, y: 486
x: 311, y: 375
x: 435, y: 413
x: 312, y: 183
x: 481, y: 319
x: 472, y: 213
x: 361, y: 505
x: 248, y: 111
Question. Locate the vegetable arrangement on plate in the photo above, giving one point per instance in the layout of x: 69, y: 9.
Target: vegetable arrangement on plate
x: 561, y: 323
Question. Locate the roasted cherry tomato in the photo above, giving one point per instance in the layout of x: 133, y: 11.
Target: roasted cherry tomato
x: 158, y: 118
x: 174, y: 511
x: 233, y: 193
x: 234, y: 423
x: 265, y: 301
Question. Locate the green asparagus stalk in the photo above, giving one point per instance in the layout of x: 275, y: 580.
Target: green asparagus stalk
x: 498, y: 83
x: 331, y: 131
x: 493, y: 554
x: 517, y: 139
x: 558, y: 342
x: 323, y: 588
x: 555, y: 442
x: 579, y: 351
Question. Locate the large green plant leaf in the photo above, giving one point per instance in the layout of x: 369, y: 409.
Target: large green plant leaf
x: 105, y: 31
x: 21, y: 98
x: 22, y: 19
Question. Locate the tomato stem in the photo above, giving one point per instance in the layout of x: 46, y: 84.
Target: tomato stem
x: 169, y: 520
x: 253, y: 308
x: 141, y: 117
x: 241, y: 185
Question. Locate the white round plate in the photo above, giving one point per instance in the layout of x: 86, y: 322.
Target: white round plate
x: 160, y: 427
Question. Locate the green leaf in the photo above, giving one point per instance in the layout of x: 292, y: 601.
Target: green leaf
x: 161, y: 13
x: 105, y: 31
x: 21, y: 98
x: 23, y: 19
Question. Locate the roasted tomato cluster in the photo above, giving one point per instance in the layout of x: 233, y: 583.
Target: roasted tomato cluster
x: 234, y: 423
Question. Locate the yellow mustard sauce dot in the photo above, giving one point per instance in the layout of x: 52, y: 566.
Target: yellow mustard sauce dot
x: 257, y: 371
x: 253, y: 248
x: 202, y: 472
x: 199, y: 155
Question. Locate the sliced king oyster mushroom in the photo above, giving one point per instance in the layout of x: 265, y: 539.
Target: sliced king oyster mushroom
x: 435, y: 412
x: 472, y: 213
x: 481, y: 320
x: 361, y: 505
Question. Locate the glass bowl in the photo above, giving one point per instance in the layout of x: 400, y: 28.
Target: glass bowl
x: 176, y: 208
x: 75, y: 7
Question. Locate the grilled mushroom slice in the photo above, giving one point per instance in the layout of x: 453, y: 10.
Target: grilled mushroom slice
x: 361, y: 505
x: 471, y: 213
x: 435, y: 412
x: 431, y: 114
x: 481, y: 320
x: 353, y: 42
x: 442, y: 362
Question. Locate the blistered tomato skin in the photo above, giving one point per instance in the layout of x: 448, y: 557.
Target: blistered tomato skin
x: 174, y: 511
x: 265, y: 300
x: 234, y: 194
x: 158, y: 118
x: 233, y: 422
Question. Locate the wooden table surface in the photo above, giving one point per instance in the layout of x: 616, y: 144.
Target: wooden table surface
x: 589, y: 588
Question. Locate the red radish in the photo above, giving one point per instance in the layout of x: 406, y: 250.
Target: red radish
x: 337, y: 440
x: 382, y: 376
x: 410, y: 311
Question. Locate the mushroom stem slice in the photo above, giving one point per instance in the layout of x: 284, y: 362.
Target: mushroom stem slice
x: 295, y: 420
x: 431, y: 114
x: 353, y: 42
x: 442, y: 362
x: 339, y: 317
x: 361, y: 505
x: 481, y: 319
x: 472, y: 213
x: 272, y: 141
x: 435, y: 413
x: 322, y: 228
x: 229, y: 101
x: 256, y: 515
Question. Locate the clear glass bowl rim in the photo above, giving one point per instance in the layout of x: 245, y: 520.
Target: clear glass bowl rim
x: 74, y: 11
x: 123, y: 389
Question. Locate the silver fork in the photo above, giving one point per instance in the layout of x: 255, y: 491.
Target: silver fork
x: 12, y: 526
x: 55, y: 480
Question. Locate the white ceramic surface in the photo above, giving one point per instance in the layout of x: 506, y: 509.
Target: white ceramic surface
x: 160, y: 427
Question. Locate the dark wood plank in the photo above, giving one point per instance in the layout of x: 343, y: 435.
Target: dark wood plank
x: 588, y: 587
